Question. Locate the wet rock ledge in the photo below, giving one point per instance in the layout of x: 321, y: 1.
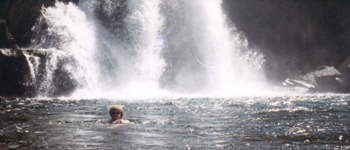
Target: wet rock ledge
x: 325, y: 79
x: 14, y: 74
x: 23, y: 72
x: 28, y: 73
x: 17, y: 78
x: 14, y: 68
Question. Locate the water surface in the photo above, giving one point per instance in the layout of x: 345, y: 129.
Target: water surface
x: 286, y: 122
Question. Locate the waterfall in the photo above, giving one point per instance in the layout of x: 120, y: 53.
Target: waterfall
x: 34, y: 62
x: 148, y: 48
x: 206, y: 54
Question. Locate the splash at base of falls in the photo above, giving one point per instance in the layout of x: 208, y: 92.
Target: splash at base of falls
x: 148, y: 49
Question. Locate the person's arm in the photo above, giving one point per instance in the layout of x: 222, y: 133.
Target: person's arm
x: 116, y: 122
x: 125, y: 121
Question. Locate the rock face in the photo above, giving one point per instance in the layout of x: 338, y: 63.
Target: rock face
x: 293, y: 35
x: 345, y: 66
x: 17, y: 67
x: 325, y: 79
x: 27, y: 73
x: 14, y: 74
x: 50, y: 79
x: 6, y: 39
x: 345, y: 77
x: 296, y: 37
x: 21, y: 15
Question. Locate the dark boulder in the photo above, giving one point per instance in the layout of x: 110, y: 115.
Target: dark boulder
x: 325, y: 79
x: 15, y: 74
x: 63, y: 83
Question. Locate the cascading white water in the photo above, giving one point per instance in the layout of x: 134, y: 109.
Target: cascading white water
x: 144, y: 48
x: 129, y: 49
x: 215, y: 58
x: 34, y: 62
x: 69, y: 34
x: 224, y: 51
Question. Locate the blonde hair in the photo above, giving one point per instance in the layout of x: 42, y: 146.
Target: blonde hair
x: 117, y: 107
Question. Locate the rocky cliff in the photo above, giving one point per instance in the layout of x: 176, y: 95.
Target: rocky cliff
x: 21, y: 15
x: 14, y: 74
x: 6, y: 38
x: 17, y: 77
x: 295, y: 36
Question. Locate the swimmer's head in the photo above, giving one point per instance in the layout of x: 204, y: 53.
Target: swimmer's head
x: 116, y: 109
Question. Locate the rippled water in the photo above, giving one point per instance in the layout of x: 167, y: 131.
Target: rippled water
x: 287, y: 122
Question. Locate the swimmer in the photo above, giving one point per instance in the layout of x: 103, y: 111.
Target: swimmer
x: 117, y: 113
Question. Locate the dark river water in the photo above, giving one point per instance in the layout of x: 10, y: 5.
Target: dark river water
x: 279, y: 122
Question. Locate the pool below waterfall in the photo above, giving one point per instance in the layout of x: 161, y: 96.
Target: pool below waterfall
x: 278, y: 122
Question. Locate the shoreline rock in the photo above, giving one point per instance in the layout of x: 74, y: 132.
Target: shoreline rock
x: 325, y: 79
